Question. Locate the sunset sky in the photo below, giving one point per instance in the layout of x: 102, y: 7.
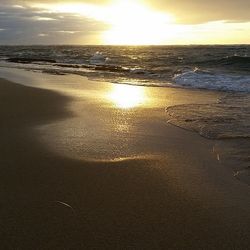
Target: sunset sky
x: 135, y: 22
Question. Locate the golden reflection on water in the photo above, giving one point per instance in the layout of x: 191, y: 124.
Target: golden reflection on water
x: 127, y: 96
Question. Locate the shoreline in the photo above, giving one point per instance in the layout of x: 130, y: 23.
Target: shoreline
x: 172, y: 195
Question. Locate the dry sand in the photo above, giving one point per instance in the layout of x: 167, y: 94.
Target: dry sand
x: 168, y: 191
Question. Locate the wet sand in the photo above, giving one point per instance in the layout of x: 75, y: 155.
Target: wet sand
x: 66, y: 182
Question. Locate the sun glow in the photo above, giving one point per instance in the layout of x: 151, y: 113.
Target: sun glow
x: 130, y: 22
x: 133, y: 22
x: 127, y: 96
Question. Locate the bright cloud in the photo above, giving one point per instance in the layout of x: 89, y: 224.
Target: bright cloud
x: 124, y: 22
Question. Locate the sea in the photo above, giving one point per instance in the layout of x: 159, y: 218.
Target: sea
x: 215, y: 68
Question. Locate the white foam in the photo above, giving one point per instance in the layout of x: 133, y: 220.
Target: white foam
x: 213, y: 81
x: 98, y: 59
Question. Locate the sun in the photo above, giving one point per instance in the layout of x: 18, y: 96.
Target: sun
x: 133, y: 23
x: 130, y: 22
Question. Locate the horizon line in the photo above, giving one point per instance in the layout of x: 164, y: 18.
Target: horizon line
x: 133, y: 45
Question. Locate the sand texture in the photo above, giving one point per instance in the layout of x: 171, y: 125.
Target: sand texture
x: 171, y: 195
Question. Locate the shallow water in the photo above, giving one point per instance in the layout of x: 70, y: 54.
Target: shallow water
x: 227, y: 121
x: 228, y: 118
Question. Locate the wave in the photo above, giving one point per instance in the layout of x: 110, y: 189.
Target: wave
x: 104, y: 67
x: 147, y: 71
x: 232, y: 60
x: 213, y: 81
x: 197, y: 79
x: 240, y: 62
x: 29, y: 60
x: 98, y: 59
x: 94, y: 66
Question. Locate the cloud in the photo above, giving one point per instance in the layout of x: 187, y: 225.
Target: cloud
x: 43, y: 35
x: 186, y: 11
x: 42, y: 18
x: 200, y: 11
x: 26, y: 25
x: 22, y: 24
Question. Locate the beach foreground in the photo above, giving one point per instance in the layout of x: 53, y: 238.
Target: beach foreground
x: 71, y: 178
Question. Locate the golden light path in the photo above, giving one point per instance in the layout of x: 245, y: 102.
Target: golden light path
x: 127, y: 96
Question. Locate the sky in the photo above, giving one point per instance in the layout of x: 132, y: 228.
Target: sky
x: 135, y: 22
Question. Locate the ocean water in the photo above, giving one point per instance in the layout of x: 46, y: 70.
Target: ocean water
x: 219, y: 68
x: 207, y: 67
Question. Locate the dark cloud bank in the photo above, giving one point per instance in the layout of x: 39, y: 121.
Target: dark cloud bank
x: 31, y: 26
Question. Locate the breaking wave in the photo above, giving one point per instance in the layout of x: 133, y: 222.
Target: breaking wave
x: 202, y: 79
x: 225, y: 68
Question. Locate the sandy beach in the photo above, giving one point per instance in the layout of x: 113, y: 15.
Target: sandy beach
x: 80, y: 170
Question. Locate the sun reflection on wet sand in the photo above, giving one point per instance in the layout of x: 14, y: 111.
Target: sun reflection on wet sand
x: 127, y: 96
